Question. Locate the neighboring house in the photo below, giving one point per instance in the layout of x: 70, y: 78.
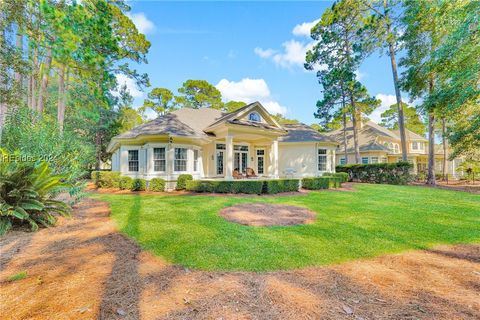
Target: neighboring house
x: 379, y: 144
x: 211, y: 144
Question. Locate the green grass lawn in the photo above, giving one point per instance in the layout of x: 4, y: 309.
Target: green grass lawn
x: 376, y: 220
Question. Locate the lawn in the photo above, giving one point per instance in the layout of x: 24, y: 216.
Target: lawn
x: 375, y: 220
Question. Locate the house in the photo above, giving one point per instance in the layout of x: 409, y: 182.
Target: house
x: 211, y: 144
x: 379, y: 144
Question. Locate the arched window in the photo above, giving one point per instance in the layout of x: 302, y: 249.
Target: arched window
x: 254, y: 117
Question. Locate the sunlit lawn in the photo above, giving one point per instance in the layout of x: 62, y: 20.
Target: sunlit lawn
x: 376, y: 220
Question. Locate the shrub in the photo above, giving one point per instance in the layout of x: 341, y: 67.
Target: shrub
x: 106, y: 179
x: 324, y: 182
x: 342, y: 175
x: 282, y: 185
x: 182, y: 181
x: 125, y: 183
x: 27, y: 192
x: 243, y: 186
x: 156, y: 184
x: 138, y: 185
x: 391, y: 173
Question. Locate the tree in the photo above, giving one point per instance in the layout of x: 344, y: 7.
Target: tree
x: 160, y: 101
x: 413, y: 121
x: 198, y: 94
x: 231, y: 106
x: 422, y: 36
x: 282, y: 120
x: 128, y: 117
x: 340, y: 48
x: 386, y: 34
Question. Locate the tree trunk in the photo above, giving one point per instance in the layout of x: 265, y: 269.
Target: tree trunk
x: 33, y: 99
x: 3, y: 73
x: 355, y: 119
x: 345, y: 143
x: 98, y: 148
x: 61, y: 97
x: 445, y: 155
x: 431, y: 149
x: 19, y: 46
x: 42, y: 94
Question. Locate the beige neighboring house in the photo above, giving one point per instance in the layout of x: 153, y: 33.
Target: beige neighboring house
x: 379, y: 144
x: 211, y: 144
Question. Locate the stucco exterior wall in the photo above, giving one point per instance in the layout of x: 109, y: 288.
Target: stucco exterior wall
x: 302, y: 158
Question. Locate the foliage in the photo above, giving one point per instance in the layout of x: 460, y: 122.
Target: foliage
x: 156, y: 184
x: 125, y: 183
x: 413, y: 122
x: 160, y: 101
x: 470, y: 169
x: 138, y: 185
x: 390, y: 173
x: 236, y: 186
x: 129, y: 118
x: 375, y: 220
x: 27, y: 191
x: 198, y: 94
x: 182, y: 181
x: 106, y: 179
x: 232, y: 106
x: 281, y: 185
x: 18, y: 276
x: 323, y: 182
x: 66, y: 154
x: 343, y: 176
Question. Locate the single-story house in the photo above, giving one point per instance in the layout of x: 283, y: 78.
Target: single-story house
x: 212, y: 144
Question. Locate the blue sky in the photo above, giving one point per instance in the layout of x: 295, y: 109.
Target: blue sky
x: 249, y: 50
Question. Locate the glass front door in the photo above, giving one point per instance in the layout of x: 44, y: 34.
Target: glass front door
x: 240, y: 160
x: 220, y: 161
x: 260, y: 161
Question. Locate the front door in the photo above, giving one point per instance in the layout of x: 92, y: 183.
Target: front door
x: 240, y: 160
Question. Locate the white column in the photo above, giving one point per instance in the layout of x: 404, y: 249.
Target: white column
x: 228, y: 157
x: 170, y: 158
x: 275, y: 158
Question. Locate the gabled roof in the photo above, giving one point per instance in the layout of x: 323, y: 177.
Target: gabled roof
x: 302, y: 133
x: 235, y: 117
x: 411, y: 135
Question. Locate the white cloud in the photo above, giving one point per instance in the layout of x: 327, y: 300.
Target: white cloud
x: 360, y: 75
x: 131, y: 86
x: 267, y: 53
x: 250, y: 90
x: 303, y: 29
x: 142, y: 23
x: 292, y: 55
x: 387, y: 101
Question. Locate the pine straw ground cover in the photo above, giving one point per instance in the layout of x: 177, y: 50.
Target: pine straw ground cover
x: 85, y: 269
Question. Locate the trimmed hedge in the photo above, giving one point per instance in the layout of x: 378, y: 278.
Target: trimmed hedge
x: 156, y: 184
x: 390, y: 173
x: 342, y: 175
x: 182, y: 181
x: 138, y: 185
x: 282, y: 185
x: 243, y: 186
x: 323, y: 182
x: 125, y: 183
x: 105, y: 179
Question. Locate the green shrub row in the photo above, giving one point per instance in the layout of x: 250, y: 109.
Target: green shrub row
x: 242, y: 186
x: 281, y: 185
x: 323, y: 182
x: 391, y: 173
x: 106, y: 179
x: 182, y: 181
x: 342, y: 175
x: 112, y: 179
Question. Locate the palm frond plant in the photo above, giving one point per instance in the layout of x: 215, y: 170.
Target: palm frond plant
x: 27, y: 193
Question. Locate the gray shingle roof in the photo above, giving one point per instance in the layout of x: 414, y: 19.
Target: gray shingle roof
x: 303, y: 133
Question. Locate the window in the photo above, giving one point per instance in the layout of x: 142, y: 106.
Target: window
x: 374, y: 160
x: 195, y: 160
x: 261, y: 161
x: 159, y: 161
x: 133, y: 160
x: 384, y: 159
x: 254, y: 117
x: 240, y: 148
x: 180, y: 163
x: 322, y: 159
x: 220, y: 146
x: 364, y: 160
x: 415, y: 145
x: 397, y: 148
x: 343, y: 161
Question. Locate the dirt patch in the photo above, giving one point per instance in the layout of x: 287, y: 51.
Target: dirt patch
x: 455, y: 185
x: 85, y: 269
x: 264, y: 214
